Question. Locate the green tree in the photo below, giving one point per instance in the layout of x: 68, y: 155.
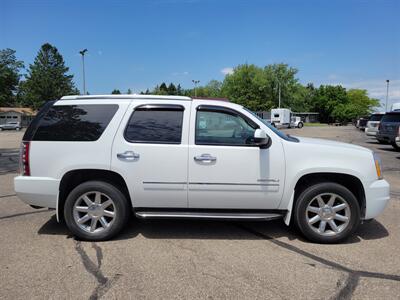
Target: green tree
x: 116, y: 92
x: 172, y: 89
x: 326, y: 99
x: 247, y: 86
x: 9, y: 76
x: 47, y: 78
x: 163, y: 89
x: 358, y: 104
x: 282, y: 76
x: 129, y: 92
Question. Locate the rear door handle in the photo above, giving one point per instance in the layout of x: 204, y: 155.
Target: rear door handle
x: 128, y: 155
x: 205, y: 158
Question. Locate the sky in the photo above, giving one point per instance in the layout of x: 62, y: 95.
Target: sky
x: 138, y: 44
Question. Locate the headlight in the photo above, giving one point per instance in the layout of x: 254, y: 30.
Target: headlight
x: 378, y: 163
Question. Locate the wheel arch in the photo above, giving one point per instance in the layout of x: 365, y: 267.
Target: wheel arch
x: 351, y: 182
x: 73, y: 178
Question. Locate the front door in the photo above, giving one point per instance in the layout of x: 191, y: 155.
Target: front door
x: 226, y: 169
x: 150, y: 151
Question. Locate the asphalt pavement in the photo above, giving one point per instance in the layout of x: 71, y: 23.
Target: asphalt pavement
x: 197, y: 259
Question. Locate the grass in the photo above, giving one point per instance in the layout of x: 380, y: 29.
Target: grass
x: 315, y: 124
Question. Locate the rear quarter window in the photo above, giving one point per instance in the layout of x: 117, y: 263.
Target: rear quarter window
x: 391, y: 118
x: 75, y: 122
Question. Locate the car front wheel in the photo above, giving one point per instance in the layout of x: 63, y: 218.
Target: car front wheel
x: 327, y: 213
x: 300, y: 125
x: 96, y: 210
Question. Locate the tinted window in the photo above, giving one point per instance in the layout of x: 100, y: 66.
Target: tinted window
x: 377, y: 117
x: 155, y: 124
x: 223, y: 128
x: 75, y: 122
x: 391, y: 118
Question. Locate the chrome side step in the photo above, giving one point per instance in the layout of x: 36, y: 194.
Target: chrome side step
x: 207, y: 215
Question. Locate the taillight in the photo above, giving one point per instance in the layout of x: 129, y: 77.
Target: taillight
x: 24, y: 160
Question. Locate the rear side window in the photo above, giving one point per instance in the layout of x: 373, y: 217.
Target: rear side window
x: 75, y: 122
x: 156, y: 124
x: 395, y: 118
x: 377, y: 117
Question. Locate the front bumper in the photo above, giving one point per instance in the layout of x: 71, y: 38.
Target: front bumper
x: 377, y: 195
x: 38, y: 191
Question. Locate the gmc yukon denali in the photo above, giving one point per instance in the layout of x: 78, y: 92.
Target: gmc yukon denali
x: 97, y: 160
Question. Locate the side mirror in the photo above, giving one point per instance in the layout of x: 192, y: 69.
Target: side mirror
x: 262, y: 139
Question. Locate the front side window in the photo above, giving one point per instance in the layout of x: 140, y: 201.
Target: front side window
x: 160, y: 124
x: 223, y: 128
x: 74, y: 122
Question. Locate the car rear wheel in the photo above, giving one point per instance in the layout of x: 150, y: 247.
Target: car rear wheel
x: 327, y: 213
x: 96, y: 210
x: 394, y: 145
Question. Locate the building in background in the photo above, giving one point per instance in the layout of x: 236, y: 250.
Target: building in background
x: 24, y: 115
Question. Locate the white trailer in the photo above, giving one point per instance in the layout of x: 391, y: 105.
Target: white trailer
x: 283, y: 117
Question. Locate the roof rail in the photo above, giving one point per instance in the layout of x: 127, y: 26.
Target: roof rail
x: 132, y: 96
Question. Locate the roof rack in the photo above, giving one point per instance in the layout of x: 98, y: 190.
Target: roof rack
x: 132, y: 96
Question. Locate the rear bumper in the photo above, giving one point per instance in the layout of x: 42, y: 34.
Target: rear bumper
x: 377, y: 195
x: 385, y: 137
x: 39, y: 191
x: 371, y: 131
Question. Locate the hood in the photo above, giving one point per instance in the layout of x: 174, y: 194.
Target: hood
x: 322, y: 142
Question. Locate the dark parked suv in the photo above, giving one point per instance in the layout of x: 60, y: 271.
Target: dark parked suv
x: 388, y: 128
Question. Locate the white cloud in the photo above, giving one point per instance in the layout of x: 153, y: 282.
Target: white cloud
x: 376, y: 88
x: 227, y: 70
x: 185, y: 73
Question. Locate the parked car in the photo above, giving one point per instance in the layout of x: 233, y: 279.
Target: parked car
x: 397, y: 139
x: 177, y: 157
x: 388, y: 128
x: 10, y: 126
x: 373, y: 124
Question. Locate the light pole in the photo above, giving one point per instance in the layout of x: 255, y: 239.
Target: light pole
x: 195, y: 86
x: 387, y: 94
x: 279, y: 94
x: 83, y: 69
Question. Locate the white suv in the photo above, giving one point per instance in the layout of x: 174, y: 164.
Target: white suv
x: 95, y: 159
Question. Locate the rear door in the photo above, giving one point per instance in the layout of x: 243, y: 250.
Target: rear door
x: 151, y: 150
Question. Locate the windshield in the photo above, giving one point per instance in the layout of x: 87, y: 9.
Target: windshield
x: 278, y: 132
x: 376, y: 117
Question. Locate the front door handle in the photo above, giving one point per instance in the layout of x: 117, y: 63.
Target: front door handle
x: 128, y: 155
x: 205, y: 158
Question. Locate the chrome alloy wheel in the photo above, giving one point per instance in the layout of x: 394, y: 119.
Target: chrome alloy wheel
x: 328, y: 214
x: 94, y: 212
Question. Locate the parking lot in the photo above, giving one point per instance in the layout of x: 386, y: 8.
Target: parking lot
x: 197, y: 259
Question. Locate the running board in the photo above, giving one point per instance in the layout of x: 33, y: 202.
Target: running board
x: 207, y: 215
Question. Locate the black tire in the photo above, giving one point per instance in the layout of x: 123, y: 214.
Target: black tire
x: 300, y: 125
x: 300, y: 212
x: 395, y: 147
x: 122, y: 210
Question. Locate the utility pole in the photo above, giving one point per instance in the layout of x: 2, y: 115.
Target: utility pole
x: 195, y: 86
x: 279, y: 94
x: 83, y: 69
x: 387, y: 94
